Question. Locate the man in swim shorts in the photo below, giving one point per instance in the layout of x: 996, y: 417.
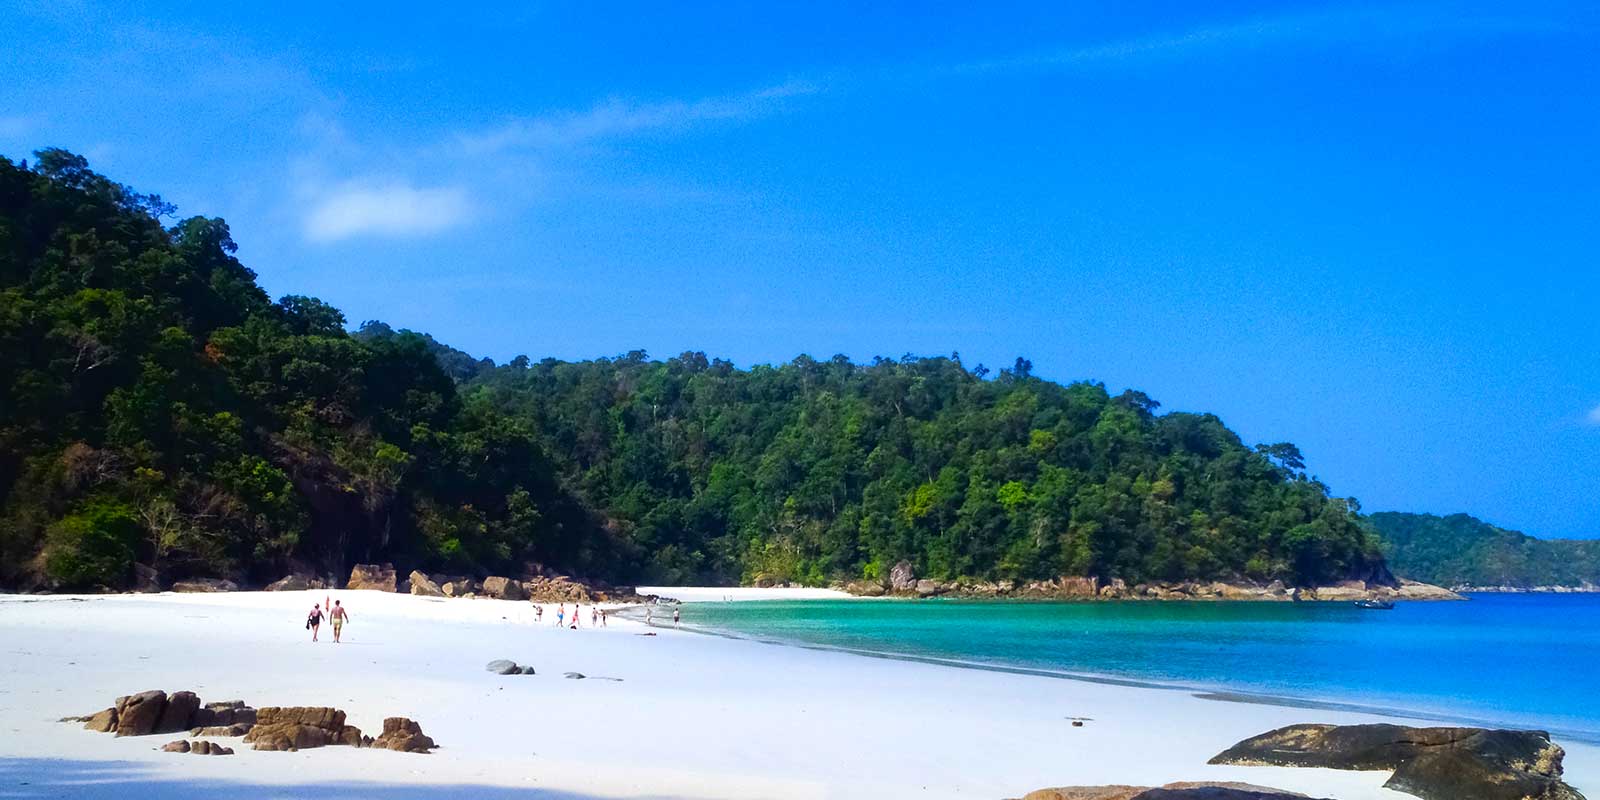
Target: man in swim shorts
x: 337, y: 615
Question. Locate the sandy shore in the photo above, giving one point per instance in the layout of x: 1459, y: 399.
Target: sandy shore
x: 692, y: 717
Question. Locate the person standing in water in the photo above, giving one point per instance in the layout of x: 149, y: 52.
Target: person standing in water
x: 314, y: 620
x: 337, y: 615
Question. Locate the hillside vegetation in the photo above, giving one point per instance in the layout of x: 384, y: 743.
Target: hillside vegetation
x: 1459, y: 550
x: 157, y: 408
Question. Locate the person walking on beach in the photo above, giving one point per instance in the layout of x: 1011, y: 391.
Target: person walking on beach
x: 314, y: 620
x: 594, y: 617
x: 575, y: 610
x: 676, y: 617
x: 538, y: 613
x: 561, y: 614
x: 337, y: 616
x: 605, y: 619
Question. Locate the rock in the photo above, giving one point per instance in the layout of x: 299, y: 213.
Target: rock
x: 103, y: 722
x: 235, y: 729
x: 296, y: 727
x: 220, y: 750
x: 138, y: 714
x: 1432, y: 763
x: 201, y: 748
x: 423, y: 586
x: 1204, y: 790
x: 902, y: 578
x: 501, y: 666
x: 927, y: 588
x: 201, y: 585
x: 223, y: 713
x: 504, y: 588
x: 865, y: 588
x: 378, y: 577
x: 178, y: 713
x: 577, y: 676
x: 146, y: 579
x: 180, y: 746
x: 403, y: 735
x: 292, y: 583
x: 1414, y: 590
x: 526, y: 670
x: 350, y: 735
x: 459, y: 588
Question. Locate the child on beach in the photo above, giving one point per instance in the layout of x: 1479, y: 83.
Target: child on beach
x: 314, y: 620
x: 338, y: 616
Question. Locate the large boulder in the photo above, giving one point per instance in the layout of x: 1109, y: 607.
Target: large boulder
x: 296, y: 582
x: 1433, y: 763
x: 297, y: 728
x: 504, y: 588
x: 423, y: 586
x: 379, y: 577
x: 459, y: 587
x: 146, y: 579
x: 902, y: 578
x: 403, y: 735
x: 103, y: 722
x: 503, y: 666
x: 138, y: 714
x: 178, y: 715
x: 1202, y: 790
x: 202, y: 585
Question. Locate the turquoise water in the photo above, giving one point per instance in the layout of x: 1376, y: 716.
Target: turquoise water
x: 1514, y: 660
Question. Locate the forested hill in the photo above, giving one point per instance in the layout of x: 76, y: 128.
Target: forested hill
x: 1459, y: 550
x: 158, y: 411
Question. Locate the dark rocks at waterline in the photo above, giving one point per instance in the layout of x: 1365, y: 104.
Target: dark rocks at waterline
x: 1199, y: 790
x: 1432, y: 763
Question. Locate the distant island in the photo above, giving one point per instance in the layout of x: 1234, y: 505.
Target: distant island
x: 1469, y: 554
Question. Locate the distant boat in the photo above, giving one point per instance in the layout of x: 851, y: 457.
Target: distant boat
x: 1380, y: 605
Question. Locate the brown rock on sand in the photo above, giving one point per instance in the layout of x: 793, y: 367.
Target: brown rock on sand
x: 103, y: 722
x: 137, y: 714
x: 178, y: 713
x: 403, y: 735
x: 180, y: 746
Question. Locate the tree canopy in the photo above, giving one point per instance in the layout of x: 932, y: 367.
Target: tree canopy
x: 1459, y: 550
x: 159, y: 409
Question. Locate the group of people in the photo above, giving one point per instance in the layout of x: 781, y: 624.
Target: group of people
x: 336, y: 614
x: 598, y: 617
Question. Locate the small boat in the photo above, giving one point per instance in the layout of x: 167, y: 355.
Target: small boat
x: 1379, y: 605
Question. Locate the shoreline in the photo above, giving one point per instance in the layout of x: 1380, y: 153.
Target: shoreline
x: 713, y: 717
x: 1214, y: 693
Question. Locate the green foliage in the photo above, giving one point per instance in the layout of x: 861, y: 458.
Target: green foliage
x: 142, y: 369
x: 1460, y: 550
x: 93, y: 546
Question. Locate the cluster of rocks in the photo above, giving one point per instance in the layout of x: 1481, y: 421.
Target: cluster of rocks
x: 902, y: 582
x: 505, y: 666
x: 288, y: 728
x: 1583, y: 588
x: 157, y: 712
x: 199, y: 747
x: 536, y: 587
x: 205, y: 585
x: 1432, y: 763
x: 1172, y: 791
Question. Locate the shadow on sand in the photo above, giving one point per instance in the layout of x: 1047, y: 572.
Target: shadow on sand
x: 33, y: 778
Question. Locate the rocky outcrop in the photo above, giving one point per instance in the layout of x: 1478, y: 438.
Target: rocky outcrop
x: 138, y: 714
x: 297, y: 582
x: 1431, y: 763
x: 201, y: 585
x: 423, y: 586
x: 1091, y: 588
x: 504, y: 588
x: 199, y: 748
x: 297, y: 728
x: 403, y: 735
x: 378, y: 577
x: 236, y: 729
x: 102, y: 722
x: 504, y: 666
x: 178, y: 713
x: 902, y: 578
x: 1201, y: 790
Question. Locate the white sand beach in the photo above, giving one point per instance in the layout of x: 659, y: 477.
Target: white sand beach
x: 692, y: 716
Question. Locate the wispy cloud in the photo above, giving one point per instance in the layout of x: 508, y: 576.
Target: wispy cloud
x: 390, y: 209
x: 618, y: 117
x: 1593, y: 417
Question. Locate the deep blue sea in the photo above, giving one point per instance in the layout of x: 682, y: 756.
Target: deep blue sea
x: 1514, y: 660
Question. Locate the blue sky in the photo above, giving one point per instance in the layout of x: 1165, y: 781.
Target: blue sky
x: 1370, y: 229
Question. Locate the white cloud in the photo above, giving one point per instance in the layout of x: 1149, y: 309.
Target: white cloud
x: 1593, y: 417
x: 391, y: 209
x: 619, y: 118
